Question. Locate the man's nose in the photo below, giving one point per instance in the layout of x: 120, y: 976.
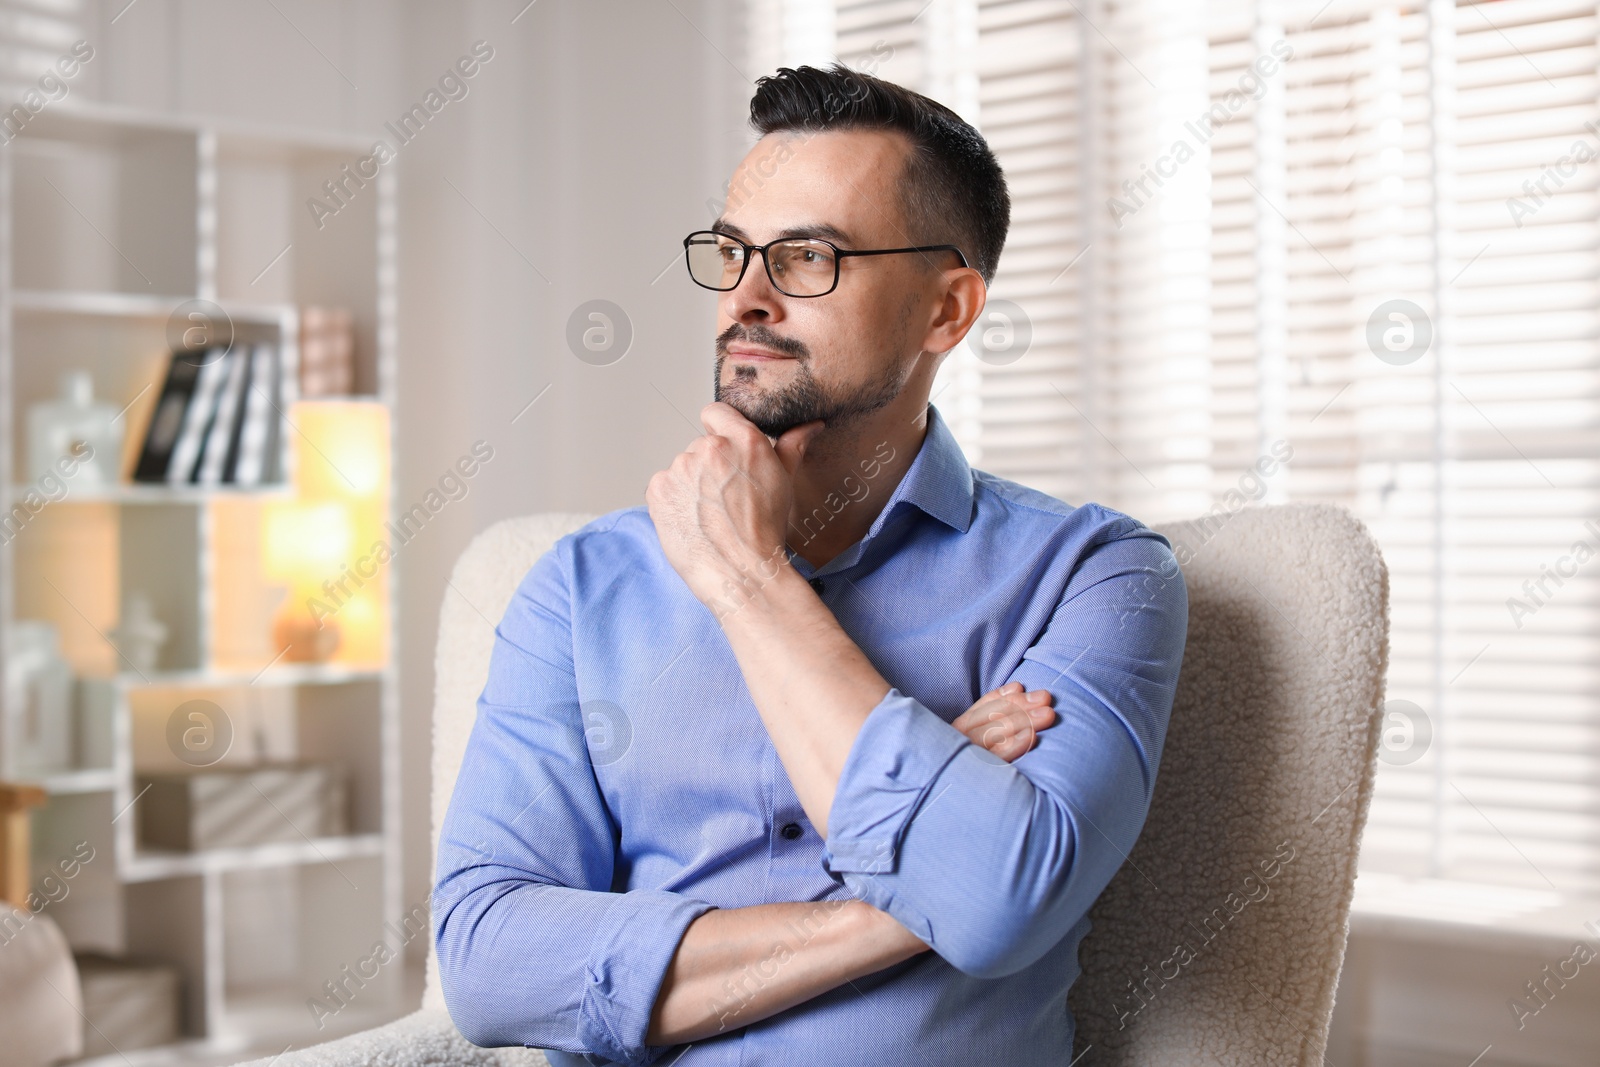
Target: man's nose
x: 754, y: 297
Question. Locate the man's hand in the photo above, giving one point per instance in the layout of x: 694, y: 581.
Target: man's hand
x: 722, y: 508
x: 1006, y: 721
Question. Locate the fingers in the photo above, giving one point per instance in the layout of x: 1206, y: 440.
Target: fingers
x: 723, y: 419
x: 1007, y: 734
x: 1010, y: 694
x: 1006, y: 720
x: 732, y: 439
x: 705, y: 440
x: 710, y: 455
x: 791, y: 447
x: 979, y: 711
x: 1009, y: 689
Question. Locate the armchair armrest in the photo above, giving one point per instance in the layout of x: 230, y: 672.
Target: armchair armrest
x: 425, y: 1038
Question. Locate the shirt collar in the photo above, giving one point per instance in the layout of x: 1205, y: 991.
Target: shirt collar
x: 939, y: 481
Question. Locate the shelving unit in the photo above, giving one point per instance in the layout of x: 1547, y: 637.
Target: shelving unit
x: 109, y: 220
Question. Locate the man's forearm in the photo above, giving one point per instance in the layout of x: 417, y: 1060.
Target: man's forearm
x: 736, y: 966
x: 811, y: 684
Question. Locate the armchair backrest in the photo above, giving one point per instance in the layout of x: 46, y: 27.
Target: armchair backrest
x: 1221, y: 939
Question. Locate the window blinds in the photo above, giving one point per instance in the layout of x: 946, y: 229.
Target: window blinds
x: 1514, y: 791
x: 1365, y: 233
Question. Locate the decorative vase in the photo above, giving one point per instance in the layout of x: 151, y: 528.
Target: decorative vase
x: 139, y: 635
x: 38, y: 701
x: 304, y: 639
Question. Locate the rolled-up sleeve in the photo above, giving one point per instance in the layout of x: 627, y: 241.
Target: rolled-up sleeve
x: 534, y: 949
x: 993, y: 863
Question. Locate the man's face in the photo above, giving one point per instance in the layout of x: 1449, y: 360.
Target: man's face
x: 782, y: 360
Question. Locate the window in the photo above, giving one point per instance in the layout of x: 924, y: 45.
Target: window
x: 1367, y: 231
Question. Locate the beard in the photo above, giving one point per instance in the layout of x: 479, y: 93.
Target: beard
x: 777, y: 409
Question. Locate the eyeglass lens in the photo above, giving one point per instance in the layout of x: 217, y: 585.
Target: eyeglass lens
x: 797, y: 267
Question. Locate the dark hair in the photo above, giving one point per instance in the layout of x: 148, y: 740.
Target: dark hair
x: 952, y: 190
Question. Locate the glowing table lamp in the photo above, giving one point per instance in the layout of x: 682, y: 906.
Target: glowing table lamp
x: 325, y: 544
x: 305, y: 542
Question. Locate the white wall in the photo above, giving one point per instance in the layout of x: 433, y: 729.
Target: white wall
x: 587, y: 147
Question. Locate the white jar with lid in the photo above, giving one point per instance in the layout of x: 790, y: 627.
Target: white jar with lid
x: 75, y: 436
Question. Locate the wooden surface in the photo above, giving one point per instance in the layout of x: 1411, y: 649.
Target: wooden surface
x: 15, y: 801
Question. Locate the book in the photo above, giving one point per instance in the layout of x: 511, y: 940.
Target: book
x: 272, y: 465
x: 241, y: 410
x: 248, y: 464
x: 219, y: 435
x: 197, y: 419
x: 176, y: 392
x: 327, y: 348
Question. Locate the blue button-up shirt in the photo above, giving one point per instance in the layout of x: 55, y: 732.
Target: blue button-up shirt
x: 619, y: 782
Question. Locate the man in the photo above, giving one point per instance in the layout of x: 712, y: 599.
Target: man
x: 732, y: 785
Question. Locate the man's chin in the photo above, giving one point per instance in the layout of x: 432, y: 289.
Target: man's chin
x: 773, y: 428
x: 762, y: 418
x: 772, y: 414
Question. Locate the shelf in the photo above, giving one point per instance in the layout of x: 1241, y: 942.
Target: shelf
x: 149, y: 866
x: 119, y: 305
x: 276, y: 1016
x: 87, y: 780
x: 178, y: 209
x: 281, y: 674
x: 126, y: 493
x: 264, y: 1023
x: 94, y: 122
x: 110, y: 304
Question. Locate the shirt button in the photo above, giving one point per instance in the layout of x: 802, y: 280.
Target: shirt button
x: 791, y: 830
x: 816, y: 583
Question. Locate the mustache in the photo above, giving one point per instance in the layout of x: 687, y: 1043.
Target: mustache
x: 760, y: 335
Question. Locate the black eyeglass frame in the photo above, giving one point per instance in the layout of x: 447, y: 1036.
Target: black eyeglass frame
x: 838, y: 254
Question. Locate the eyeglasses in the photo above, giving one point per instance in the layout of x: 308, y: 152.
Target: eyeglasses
x: 796, y: 266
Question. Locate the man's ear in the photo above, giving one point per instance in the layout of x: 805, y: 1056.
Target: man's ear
x: 965, y: 295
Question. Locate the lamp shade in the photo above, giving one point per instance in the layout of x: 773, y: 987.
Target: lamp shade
x: 341, y: 449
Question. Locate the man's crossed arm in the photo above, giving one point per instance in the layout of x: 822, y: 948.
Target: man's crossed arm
x: 798, y: 951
